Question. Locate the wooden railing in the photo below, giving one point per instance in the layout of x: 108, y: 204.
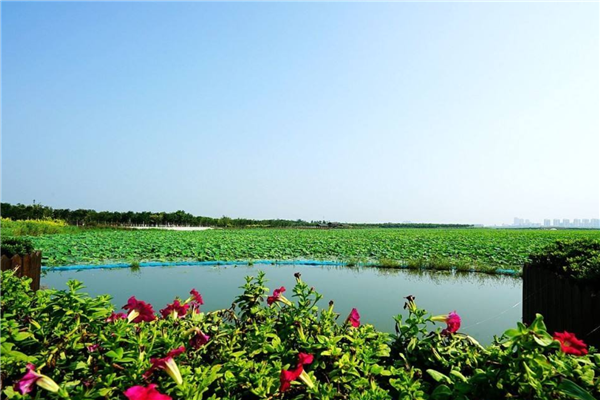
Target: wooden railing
x: 566, y: 305
x: 29, y: 265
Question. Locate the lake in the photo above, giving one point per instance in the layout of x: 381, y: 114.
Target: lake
x: 488, y: 304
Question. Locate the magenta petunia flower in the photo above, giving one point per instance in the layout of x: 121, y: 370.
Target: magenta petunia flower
x: 168, y: 364
x: 452, y: 321
x: 354, y: 318
x: 197, y: 297
x: 93, y: 347
x: 139, y: 310
x: 305, y: 359
x: 145, y: 393
x: 286, y: 377
x: 115, y: 316
x: 278, y: 296
x: 176, y: 309
x: 199, y: 340
x: 25, y: 384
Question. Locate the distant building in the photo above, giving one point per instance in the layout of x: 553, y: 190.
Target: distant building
x: 566, y: 223
x: 556, y: 222
x: 595, y: 223
x: 586, y: 223
x: 577, y: 223
x: 546, y: 222
x: 517, y: 221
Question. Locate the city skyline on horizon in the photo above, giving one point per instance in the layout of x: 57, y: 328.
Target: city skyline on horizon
x: 558, y: 223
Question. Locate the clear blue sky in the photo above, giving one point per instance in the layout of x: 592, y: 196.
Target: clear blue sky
x: 431, y: 112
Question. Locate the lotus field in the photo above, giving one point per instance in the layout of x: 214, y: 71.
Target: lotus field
x: 480, y: 249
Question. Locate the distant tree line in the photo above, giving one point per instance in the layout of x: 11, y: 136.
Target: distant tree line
x: 131, y: 218
x: 410, y: 225
x: 83, y: 217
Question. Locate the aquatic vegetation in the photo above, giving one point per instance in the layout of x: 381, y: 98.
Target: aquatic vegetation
x: 464, y: 249
x: 256, y: 351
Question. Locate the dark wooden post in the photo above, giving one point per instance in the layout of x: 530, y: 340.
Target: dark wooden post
x: 566, y: 305
x: 30, y: 265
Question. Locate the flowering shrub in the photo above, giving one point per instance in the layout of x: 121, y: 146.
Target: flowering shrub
x: 65, y: 344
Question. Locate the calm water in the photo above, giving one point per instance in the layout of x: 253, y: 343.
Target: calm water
x: 487, y: 304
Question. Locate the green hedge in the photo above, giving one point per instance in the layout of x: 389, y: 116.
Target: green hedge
x: 578, y: 259
x: 12, y: 245
x: 271, y: 347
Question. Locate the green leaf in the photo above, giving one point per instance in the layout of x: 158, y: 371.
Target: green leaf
x: 441, y: 392
x: 438, y: 376
x: 572, y: 389
x: 543, y: 340
x: 20, y: 336
x: 117, y: 354
x: 512, y: 333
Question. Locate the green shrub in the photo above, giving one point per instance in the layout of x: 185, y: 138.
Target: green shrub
x: 34, y: 227
x: 66, y: 335
x: 16, y: 246
x: 578, y: 259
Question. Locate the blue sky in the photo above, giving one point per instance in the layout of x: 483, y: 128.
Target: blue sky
x: 430, y: 112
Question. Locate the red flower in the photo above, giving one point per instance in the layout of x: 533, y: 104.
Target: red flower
x: 139, y: 310
x: 145, y: 393
x: 168, y: 364
x: 569, y: 344
x: 287, y: 376
x: 176, y: 308
x: 32, y: 377
x: 276, y: 295
x: 305, y: 359
x: 115, y: 316
x: 452, y: 321
x: 199, y: 340
x: 354, y: 318
x: 197, y: 297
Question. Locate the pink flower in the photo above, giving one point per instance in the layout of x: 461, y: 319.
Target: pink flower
x: 168, y: 364
x: 452, y: 321
x: 176, y: 309
x: 278, y: 296
x: 139, y: 310
x: 354, y: 318
x: 199, y: 340
x: 569, y: 344
x: 115, y: 316
x: 92, y: 348
x: 145, y: 393
x: 32, y: 377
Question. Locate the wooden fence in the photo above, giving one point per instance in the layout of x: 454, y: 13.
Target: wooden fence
x: 565, y: 304
x: 29, y: 265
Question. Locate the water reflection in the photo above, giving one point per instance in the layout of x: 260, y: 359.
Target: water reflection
x: 485, y: 302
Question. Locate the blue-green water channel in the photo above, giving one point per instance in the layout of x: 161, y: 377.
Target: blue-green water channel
x: 488, y: 304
